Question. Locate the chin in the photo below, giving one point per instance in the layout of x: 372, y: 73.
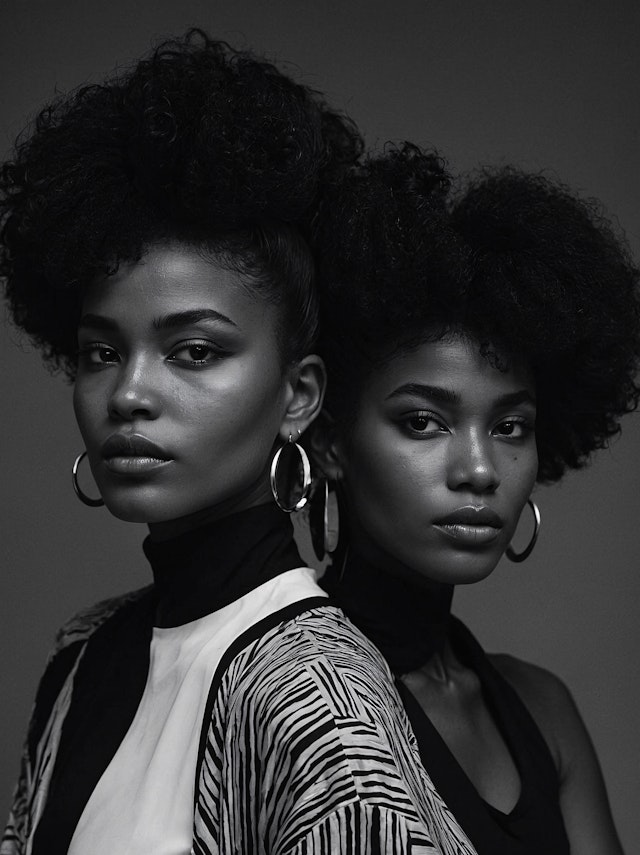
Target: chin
x: 137, y: 508
x: 129, y: 512
x: 463, y: 569
x: 470, y: 577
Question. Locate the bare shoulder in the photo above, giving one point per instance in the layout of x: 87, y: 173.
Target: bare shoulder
x: 583, y: 795
x: 534, y: 684
x: 548, y: 700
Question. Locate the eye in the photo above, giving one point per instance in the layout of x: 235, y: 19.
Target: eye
x: 97, y: 353
x: 423, y: 424
x: 514, y: 428
x: 196, y: 353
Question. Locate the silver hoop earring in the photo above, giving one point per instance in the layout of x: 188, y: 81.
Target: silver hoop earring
x: 330, y: 520
x: 324, y: 520
x: 517, y: 557
x: 87, y: 500
x: 306, y: 476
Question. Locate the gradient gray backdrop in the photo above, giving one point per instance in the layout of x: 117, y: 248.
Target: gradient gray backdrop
x: 543, y: 83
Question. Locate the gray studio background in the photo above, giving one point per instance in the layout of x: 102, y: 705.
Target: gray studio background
x: 551, y: 84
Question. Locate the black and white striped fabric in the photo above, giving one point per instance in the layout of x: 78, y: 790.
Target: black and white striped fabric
x: 305, y: 748
x: 339, y: 770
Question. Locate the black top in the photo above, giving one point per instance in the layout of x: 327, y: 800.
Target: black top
x: 409, y: 624
x: 195, y: 574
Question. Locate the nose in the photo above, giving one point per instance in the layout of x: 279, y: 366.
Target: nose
x: 471, y: 464
x: 134, y: 394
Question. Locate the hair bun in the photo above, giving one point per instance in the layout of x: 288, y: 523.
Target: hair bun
x: 218, y: 136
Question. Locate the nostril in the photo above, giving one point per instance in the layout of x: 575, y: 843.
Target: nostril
x: 132, y: 397
x: 126, y: 408
x: 479, y: 476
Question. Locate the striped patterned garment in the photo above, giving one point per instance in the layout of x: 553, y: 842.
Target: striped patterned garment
x: 305, y: 748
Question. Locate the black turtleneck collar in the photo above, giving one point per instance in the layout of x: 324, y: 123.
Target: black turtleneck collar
x: 408, y: 623
x: 206, y: 568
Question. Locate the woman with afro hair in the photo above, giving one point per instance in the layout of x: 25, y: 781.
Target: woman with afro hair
x: 152, y: 245
x: 475, y: 344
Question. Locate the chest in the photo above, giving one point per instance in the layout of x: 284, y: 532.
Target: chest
x: 484, y: 752
x: 143, y: 802
x: 460, y: 714
x: 134, y: 775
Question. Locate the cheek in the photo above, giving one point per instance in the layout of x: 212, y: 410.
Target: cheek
x: 84, y: 408
x: 524, y: 470
x: 244, y: 412
x: 521, y: 481
x: 388, y: 477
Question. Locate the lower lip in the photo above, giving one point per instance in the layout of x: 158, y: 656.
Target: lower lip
x: 128, y: 465
x: 470, y: 535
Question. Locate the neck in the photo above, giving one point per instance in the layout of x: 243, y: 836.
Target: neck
x: 441, y: 669
x: 407, y: 621
x: 168, y: 529
x: 204, y: 568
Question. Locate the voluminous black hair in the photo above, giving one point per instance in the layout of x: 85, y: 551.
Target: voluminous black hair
x: 199, y: 144
x: 514, y: 260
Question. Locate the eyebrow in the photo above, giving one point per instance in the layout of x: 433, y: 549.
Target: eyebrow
x: 165, y: 322
x: 435, y: 393
x: 448, y: 396
x: 191, y: 316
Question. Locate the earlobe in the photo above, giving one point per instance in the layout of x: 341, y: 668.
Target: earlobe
x: 307, y: 386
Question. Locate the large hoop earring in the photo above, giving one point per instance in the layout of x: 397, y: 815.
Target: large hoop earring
x: 306, y: 477
x: 325, y: 521
x: 86, y: 500
x: 517, y: 557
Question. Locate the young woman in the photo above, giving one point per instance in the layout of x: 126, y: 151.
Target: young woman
x: 473, y: 348
x: 150, y: 246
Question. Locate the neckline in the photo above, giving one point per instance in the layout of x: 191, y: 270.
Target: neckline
x: 461, y: 788
x: 409, y: 623
x: 381, y: 605
x: 204, y: 569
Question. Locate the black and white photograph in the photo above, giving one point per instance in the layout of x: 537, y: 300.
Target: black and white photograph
x: 321, y: 475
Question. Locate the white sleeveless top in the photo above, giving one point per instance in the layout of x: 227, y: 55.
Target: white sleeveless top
x: 144, y: 801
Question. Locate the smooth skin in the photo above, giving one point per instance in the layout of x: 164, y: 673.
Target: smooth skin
x: 436, y: 429
x: 184, y: 353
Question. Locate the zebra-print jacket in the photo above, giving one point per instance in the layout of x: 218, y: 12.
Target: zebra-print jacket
x: 305, y: 750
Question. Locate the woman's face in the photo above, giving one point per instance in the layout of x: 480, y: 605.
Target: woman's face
x: 181, y: 392
x: 440, y: 461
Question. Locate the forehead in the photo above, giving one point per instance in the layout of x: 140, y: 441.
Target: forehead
x: 175, y: 278
x: 454, y: 363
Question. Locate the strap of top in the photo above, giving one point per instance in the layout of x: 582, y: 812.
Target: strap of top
x: 535, y: 824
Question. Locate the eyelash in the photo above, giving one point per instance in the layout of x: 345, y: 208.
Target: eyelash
x: 87, y: 351
x: 90, y: 350
x: 425, y: 416
x: 523, y: 424
x: 216, y: 353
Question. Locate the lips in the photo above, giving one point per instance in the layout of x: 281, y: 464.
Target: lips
x: 472, y: 515
x: 132, y: 445
x: 133, y: 456
x: 471, y: 526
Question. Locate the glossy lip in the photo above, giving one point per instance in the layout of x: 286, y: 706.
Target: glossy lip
x: 471, y: 525
x: 472, y: 515
x: 132, y: 454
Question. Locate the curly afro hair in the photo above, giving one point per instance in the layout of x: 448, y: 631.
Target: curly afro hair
x: 514, y: 260
x: 197, y: 143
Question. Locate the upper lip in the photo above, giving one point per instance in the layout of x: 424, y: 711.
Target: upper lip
x: 132, y: 445
x: 472, y: 515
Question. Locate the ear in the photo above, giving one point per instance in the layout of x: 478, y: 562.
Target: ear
x: 325, y: 447
x: 307, y: 380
